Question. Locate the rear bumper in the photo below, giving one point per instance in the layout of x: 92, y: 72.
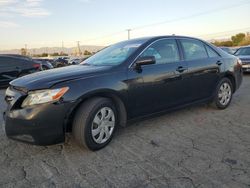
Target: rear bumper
x: 40, y: 125
x: 238, y: 78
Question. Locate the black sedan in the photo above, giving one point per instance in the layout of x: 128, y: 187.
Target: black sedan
x: 60, y: 62
x: 244, y: 54
x: 121, y: 83
x: 14, y: 66
x: 45, y: 63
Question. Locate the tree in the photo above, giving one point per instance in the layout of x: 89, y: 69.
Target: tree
x: 55, y: 54
x: 228, y: 43
x: 23, y: 51
x: 240, y: 39
x: 44, y: 55
x: 63, y: 54
x: 246, y: 41
x: 237, y: 39
x: 86, y: 52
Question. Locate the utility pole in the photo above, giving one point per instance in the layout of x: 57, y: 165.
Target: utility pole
x: 128, y: 30
x: 78, y: 48
x: 26, y: 50
x: 62, y: 47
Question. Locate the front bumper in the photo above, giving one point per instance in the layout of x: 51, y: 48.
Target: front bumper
x: 39, y: 124
x: 246, y: 68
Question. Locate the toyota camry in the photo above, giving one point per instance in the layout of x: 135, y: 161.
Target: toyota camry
x: 123, y: 82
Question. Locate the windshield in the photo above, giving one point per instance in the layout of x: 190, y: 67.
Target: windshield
x: 243, y: 51
x: 115, y: 54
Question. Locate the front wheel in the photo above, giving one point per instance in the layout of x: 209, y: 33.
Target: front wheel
x: 224, y: 93
x: 94, y: 123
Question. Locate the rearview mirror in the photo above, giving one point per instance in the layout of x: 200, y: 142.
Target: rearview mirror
x: 147, y: 60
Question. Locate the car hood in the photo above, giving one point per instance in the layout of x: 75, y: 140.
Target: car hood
x: 46, y: 79
x: 244, y: 57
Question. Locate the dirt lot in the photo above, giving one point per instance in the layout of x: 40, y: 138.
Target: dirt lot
x: 194, y: 147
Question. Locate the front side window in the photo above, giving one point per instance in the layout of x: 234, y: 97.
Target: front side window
x: 193, y: 49
x: 164, y: 51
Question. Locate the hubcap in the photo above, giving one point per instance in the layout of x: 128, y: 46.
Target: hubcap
x: 225, y: 93
x: 103, y: 125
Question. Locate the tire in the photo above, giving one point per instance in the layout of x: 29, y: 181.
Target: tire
x: 85, y: 126
x: 59, y: 65
x: 22, y: 74
x: 227, y: 93
x: 45, y: 67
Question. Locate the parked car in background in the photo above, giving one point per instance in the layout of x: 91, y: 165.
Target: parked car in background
x: 18, y: 56
x: 14, y: 66
x: 229, y: 50
x: 125, y: 81
x: 66, y: 58
x: 45, y: 63
x: 244, y: 54
x: 77, y: 60
x: 60, y: 62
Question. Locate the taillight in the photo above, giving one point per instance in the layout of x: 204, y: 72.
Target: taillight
x: 239, y: 62
x: 37, y: 65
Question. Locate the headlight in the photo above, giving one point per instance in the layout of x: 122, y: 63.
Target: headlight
x: 44, y: 96
x: 239, y: 62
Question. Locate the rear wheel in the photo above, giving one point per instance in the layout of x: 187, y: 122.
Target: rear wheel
x: 224, y: 93
x: 94, y: 123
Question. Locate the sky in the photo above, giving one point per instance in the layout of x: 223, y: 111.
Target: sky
x: 46, y: 23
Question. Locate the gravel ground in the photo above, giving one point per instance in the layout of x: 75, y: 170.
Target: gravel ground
x: 194, y: 147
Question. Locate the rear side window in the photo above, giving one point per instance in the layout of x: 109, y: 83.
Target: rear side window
x: 14, y: 62
x: 6, y: 62
x: 193, y: 49
x: 164, y: 51
x: 1, y: 61
x: 211, y: 52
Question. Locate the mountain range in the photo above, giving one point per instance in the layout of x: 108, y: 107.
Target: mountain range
x: 51, y: 50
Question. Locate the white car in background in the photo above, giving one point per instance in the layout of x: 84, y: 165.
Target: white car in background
x: 244, y: 54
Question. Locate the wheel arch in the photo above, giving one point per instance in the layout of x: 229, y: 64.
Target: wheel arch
x: 110, y: 94
x: 231, y: 77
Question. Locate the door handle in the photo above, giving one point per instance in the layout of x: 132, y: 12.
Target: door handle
x: 219, y: 63
x: 181, y: 69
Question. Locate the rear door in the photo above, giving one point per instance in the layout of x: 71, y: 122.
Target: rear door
x: 9, y: 69
x: 203, y: 68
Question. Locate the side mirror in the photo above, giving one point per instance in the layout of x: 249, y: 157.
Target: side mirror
x: 147, y: 60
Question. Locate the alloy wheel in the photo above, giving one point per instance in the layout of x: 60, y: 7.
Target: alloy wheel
x: 225, y: 94
x: 103, y: 125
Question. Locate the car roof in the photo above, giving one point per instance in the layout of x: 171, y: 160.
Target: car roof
x: 154, y: 38
x: 15, y: 56
x: 165, y: 36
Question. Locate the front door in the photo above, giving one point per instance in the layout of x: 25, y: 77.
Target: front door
x: 159, y: 86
